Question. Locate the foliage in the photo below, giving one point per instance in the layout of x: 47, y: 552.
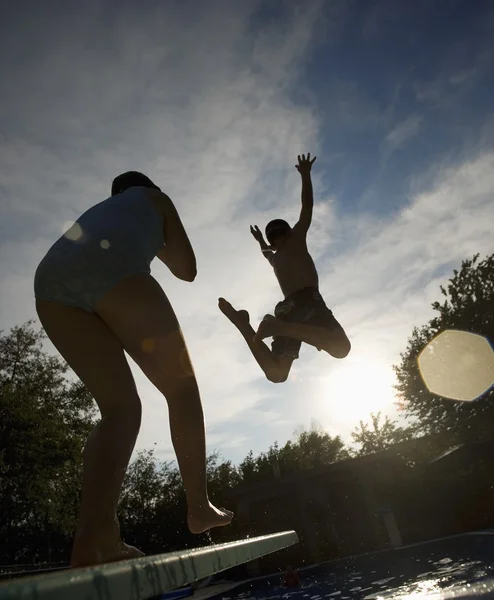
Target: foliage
x: 45, y: 419
x: 152, y: 506
x: 468, y: 306
x: 312, y: 448
x: 44, y: 422
x: 374, y: 437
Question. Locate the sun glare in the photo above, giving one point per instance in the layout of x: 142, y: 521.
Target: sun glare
x: 356, y: 388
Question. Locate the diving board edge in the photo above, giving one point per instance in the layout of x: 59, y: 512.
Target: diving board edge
x: 145, y: 577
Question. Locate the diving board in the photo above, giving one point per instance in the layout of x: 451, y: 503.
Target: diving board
x: 143, y: 578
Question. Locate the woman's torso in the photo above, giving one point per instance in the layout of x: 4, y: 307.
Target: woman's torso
x: 124, y: 227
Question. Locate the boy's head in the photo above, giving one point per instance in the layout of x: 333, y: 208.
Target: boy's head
x: 131, y: 179
x: 277, y: 232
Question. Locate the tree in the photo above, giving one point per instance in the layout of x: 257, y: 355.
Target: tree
x: 376, y: 436
x: 153, y: 507
x: 312, y: 448
x: 44, y: 422
x: 468, y: 306
x: 248, y: 468
x: 222, y: 477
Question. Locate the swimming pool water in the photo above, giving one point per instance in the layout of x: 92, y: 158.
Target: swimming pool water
x: 460, y: 564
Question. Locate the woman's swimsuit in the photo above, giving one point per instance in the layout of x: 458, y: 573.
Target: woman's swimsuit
x: 112, y: 240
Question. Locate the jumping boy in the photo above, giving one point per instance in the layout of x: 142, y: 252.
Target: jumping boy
x: 303, y: 315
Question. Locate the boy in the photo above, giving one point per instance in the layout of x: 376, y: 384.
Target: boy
x: 303, y: 315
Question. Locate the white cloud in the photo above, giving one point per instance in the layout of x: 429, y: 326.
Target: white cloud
x: 403, y: 131
x: 384, y: 285
x: 216, y: 129
x: 204, y: 108
x: 450, y: 87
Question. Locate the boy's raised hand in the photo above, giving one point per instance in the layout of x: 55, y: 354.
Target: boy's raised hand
x: 305, y: 164
x: 257, y: 233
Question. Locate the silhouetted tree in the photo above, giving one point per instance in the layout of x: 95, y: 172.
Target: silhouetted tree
x: 468, y: 306
x: 377, y: 436
x: 312, y: 448
x: 44, y: 422
x: 153, y: 509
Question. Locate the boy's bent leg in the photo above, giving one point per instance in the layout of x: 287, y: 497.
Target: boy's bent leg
x: 334, y: 341
x: 275, y: 368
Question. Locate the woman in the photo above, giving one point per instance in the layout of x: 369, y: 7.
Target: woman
x: 96, y: 298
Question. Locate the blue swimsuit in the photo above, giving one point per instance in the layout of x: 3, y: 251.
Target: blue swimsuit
x: 112, y: 240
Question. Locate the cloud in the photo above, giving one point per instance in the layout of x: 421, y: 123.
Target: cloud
x: 216, y: 129
x: 403, y: 131
x: 383, y: 284
x: 207, y: 107
x: 460, y: 75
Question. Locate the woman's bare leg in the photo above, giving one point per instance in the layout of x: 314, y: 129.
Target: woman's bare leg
x: 139, y: 313
x: 97, y: 357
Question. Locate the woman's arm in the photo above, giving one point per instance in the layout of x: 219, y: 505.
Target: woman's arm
x: 177, y: 254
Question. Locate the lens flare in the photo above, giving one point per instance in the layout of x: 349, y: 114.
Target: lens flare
x: 73, y: 231
x: 457, y: 365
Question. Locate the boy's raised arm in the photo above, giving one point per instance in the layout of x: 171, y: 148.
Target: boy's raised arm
x: 304, y: 168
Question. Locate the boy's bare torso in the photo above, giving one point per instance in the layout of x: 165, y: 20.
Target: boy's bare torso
x: 294, y: 266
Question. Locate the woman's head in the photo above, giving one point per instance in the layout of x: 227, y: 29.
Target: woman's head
x: 131, y: 179
x: 277, y: 232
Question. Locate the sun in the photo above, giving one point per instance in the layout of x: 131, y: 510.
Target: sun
x: 356, y: 387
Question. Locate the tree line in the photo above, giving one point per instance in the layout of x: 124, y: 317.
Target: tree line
x: 45, y: 418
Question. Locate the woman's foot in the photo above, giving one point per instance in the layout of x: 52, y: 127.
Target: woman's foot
x: 91, y: 553
x: 205, y: 517
x: 97, y: 547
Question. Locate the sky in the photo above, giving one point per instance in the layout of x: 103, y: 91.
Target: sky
x: 214, y: 101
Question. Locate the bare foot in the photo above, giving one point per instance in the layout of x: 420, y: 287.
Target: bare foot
x: 206, y: 517
x: 98, y: 546
x: 88, y: 553
x: 268, y: 327
x: 240, y: 318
